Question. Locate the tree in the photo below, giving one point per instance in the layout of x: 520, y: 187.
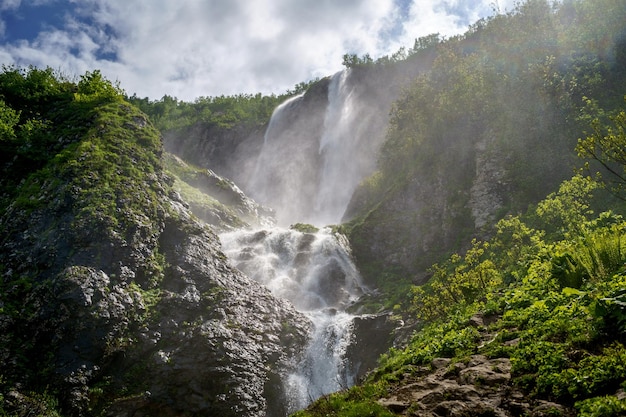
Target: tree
x: 8, y: 119
x: 353, y: 60
x: 606, y: 146
x: 93, y: 86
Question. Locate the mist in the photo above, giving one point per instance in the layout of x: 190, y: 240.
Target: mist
x: 318, y: 147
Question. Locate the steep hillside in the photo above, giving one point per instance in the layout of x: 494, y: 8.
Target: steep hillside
x: 530, y: 318
x: 111, y: 291
x: 489, y: 131
x: 530, y: 322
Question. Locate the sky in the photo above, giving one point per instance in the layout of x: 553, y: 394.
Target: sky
x: 200, y: 48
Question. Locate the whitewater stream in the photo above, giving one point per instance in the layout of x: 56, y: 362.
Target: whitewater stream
x: 314, y: 271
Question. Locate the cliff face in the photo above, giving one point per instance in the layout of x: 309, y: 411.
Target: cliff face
x: 233, y: 152
x: 115, y: 298
x: 227, y: 151
x: 286, y: 164
x: 459, y: 193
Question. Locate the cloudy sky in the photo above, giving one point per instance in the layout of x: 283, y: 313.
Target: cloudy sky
x: 193, y: 48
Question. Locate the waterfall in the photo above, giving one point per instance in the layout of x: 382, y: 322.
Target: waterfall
x: 282, y: 178
x: 317, y: 148
x: 261, y: 184
x: 339, y: 149
x: 316, y: 273
x: 315, y: 153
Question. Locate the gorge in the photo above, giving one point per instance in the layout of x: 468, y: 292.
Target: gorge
x: 314, y: 270
x: 432, y: 233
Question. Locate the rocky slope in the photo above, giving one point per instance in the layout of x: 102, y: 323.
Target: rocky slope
x: 117, y: 300
x: 475, y: 386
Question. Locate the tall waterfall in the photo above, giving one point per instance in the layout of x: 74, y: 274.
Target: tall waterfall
x: 316, y: 150
x: 308, y: 169
x: 316, y: 273
x: 340, y: 170
x: 284, y: 175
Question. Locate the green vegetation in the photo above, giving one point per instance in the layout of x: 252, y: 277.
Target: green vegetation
x: 550, y: 275
x: 550, y: 282
x: 304, y: 228
x: 423, y: 44
x: 509, y: 98
x: 81, y: 171
x: 561, y: 296
x: 197, y: 187
x: 224, y: 112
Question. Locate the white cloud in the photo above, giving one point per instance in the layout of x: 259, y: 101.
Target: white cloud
x: 197, y: 48
x: 10, y: 4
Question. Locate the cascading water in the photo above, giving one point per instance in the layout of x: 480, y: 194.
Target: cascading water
x: 284, y: 174
x: 316, y: 273
x: 309, y: 177
x: 308, y: 170
x: 267, y: 183
x: 341, y: 166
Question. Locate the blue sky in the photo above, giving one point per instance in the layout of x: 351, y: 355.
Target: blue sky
x: 193, y: 48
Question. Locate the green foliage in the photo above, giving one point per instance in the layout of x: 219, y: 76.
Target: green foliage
x: 510, y: 89
x: 304, y: 228
x: 556, y: 302
x: 592, y: 376
x: 223, y: 112
x: 355, y: 402
x: 460, y: 282
x: 80, y: 168
x: 567, y: 211
x: 8, y: 119
x: 93, y: 86
x: 353, y: 60
x: 33, y: 91
x: 41, y: 115
x: 607, y: 406
x: 422, y: 44
x: 606, y: 147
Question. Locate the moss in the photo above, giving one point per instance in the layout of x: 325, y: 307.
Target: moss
x: 304, y: 228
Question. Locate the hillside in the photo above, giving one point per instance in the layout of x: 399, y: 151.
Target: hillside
x: 485, y: 190
x: 527, y: 318
x: 490, y: 130
x: 112, y: 291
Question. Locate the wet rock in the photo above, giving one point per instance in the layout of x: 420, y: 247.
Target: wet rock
x: 439, y: 363
x: 372, y: 335
x: 131, y: 308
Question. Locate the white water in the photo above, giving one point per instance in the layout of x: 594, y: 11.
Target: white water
x: 309, y: 177
x: 316, y: 273
x: 314, y: 185
x: 281, y: 170
x: 263, y: 182
x: 339, y: 149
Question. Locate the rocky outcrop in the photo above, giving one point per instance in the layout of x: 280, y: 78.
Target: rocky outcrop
x: 228, y: 151
x: 372, y: 335
x: 216, y: 200
x: 221, y: 341
x: 116, y: 300
x: 415, y: 223
x: 488, y: 192
x: 478, y: 387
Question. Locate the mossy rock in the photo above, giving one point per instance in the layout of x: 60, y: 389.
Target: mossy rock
x: 304, y: 228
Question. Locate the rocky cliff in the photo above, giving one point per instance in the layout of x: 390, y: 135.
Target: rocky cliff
x: 116, y: 300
